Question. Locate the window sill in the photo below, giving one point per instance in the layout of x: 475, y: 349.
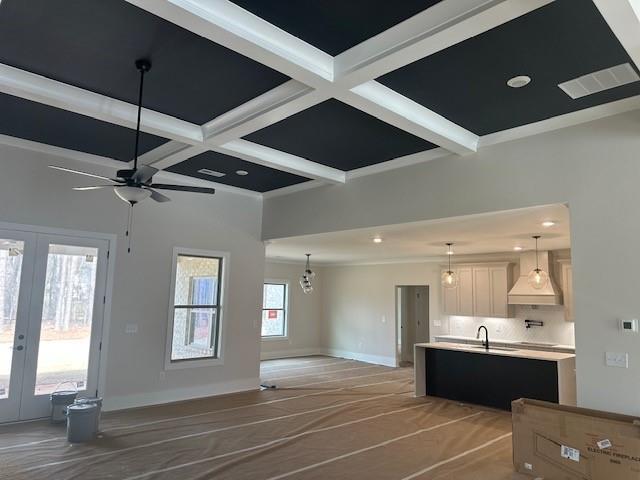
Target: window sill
x: 182, y: 364
x: 274, y: 338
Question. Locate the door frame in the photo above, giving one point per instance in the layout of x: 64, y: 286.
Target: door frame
x: 111, y: 240
x: 398, y: 316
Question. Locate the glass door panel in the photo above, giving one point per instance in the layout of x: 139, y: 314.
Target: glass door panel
x: 17, y: 251
x: 67, y: 316
x: 11, y: 254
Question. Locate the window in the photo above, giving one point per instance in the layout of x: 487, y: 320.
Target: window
x: 196, y: 309
x: 274, y: 310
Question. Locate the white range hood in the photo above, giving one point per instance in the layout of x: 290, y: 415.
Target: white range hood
x: 524, y: 294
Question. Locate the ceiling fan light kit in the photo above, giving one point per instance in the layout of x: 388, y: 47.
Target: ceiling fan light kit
x: 136, y: 184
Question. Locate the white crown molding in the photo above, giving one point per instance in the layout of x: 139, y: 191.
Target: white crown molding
x: 562, y: 121
x: 400, y: 162
x: 298, y: 187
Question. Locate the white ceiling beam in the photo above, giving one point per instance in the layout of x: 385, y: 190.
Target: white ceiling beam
x: 272, y: 158
x: 445, y: 24
x: 30, y: 86
x: 623, y: 17
x: 397, y: 110
x: 227, y: 24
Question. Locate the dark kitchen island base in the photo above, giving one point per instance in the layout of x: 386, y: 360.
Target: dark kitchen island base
x: 493, y: 378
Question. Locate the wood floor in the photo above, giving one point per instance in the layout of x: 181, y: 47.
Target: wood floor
x: 328, y: 419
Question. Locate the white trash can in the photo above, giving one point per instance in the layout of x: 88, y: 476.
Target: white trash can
x: 81, y: 422
x: 92, y: 401
x: 60, y: 400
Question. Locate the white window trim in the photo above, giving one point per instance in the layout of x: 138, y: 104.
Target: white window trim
x: 276, y: 338
x: 222, y: 310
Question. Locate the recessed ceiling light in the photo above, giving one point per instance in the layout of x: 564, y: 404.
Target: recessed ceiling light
x: 517, y: 248
x: 242, y: 173
x: 548, y: 223
x: 377, y: 240
x: 519, y: 81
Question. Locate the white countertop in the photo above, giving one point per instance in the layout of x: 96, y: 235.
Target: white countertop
x: 520, y: 353
x: 510, y: 343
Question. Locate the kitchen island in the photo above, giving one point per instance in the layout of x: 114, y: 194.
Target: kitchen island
x: 494, y: 377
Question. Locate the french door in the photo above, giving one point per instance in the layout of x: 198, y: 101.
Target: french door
x: 52, y: 290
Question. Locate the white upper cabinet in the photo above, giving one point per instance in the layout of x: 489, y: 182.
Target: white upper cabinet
x: 482, y: 291
x: 465, y: 291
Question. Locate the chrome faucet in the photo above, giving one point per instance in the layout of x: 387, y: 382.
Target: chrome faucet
x: 485, y: 342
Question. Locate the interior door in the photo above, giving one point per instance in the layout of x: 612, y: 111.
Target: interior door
x: 58, y: 338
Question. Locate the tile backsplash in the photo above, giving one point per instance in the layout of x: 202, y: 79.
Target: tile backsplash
x: 555, y: 330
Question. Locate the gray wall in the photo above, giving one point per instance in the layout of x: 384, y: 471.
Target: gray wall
x: 304, y: 316
x: 594, y: 167
x: 31, y: 193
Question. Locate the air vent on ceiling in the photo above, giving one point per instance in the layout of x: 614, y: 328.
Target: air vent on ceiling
x: 213, y: 173
x: 598, y: 81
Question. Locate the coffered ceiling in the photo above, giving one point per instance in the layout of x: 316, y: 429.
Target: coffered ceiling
x: 291, y: 92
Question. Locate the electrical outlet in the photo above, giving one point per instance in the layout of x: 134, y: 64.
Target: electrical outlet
x: 162, y: 375
x: 615, y: 359
x: 384, y: 319
x: 499, y: 328
x: 437, y: 323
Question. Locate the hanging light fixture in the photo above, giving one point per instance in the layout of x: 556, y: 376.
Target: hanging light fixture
x: 537, y: 278
x: 449, y: 277
x: 307, y: 276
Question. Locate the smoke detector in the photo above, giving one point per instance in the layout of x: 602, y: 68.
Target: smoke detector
x: 519, y: 81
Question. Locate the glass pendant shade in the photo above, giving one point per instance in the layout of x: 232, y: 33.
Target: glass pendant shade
x: 538, y: 278
x: 449, y: 279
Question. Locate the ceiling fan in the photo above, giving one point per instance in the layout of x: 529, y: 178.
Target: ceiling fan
x: 136, y: 184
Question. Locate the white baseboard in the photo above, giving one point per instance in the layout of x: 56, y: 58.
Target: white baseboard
x: 177, y: 395
x: 294, y: 352
x: 363, y: 357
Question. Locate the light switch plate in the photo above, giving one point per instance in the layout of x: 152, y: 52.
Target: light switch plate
x: 616, y: 359
x: 131, y: 328
x: 437, y: 323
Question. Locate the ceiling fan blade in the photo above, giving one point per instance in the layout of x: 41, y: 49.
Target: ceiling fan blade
x: 92, y: 187
x: 158, y: 197
x: 183, y: 188
x: 144, y: 173
x: 83, y: 173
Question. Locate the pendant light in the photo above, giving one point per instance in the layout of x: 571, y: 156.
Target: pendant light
x: 538, y: 278
x: 449, y: 277
x: 307, y: 276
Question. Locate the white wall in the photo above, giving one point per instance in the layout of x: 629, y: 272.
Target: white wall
x: 304, y: 316
x: 593, y: 167
x: 359, y: 303
x: 31, y: 193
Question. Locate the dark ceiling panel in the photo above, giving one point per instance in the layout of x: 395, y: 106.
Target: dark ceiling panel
x: 337, y: 135
x: 334, y: 26
x: 93, y: 44
x: 259, y: 178
x: 466, y: 83
x: 61, y: 128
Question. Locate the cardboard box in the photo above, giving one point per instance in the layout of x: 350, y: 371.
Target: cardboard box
x: 559, y: 442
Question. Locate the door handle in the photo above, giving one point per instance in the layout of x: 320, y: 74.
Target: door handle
x: 20, y: 347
